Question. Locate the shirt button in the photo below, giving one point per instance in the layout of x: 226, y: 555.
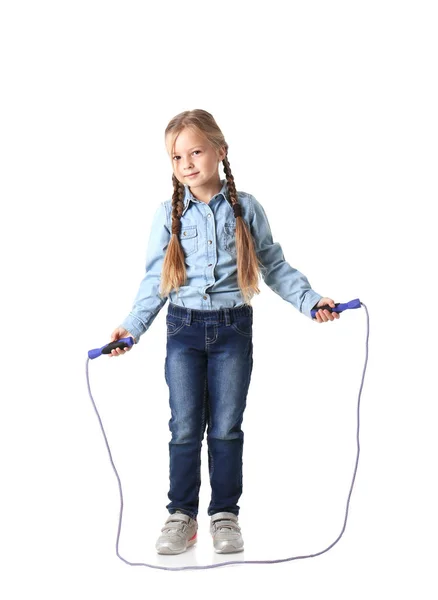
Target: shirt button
x: 210, y: 265
x: 208, y: 216
x: 210, y: 242
x: 205, y: 297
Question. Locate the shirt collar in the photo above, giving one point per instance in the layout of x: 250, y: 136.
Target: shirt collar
x: 188, y: 196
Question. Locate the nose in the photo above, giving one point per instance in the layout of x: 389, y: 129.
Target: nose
x: 188, y: 163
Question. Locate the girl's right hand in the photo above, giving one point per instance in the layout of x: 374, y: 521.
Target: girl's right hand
x: 117, y: 334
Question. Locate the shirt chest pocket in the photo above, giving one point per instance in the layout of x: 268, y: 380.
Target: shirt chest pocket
x: 189, y: 239
x: 229, y: 238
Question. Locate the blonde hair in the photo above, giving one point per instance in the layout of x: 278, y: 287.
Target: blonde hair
x: 173, y: 274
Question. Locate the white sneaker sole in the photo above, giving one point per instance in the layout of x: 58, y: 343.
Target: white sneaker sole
x: 169, y: 550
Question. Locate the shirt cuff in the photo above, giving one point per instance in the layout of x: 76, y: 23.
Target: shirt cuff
x: 135, y: 327
x: 310, y: 299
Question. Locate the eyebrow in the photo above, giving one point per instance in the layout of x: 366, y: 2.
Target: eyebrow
x: 198, y: 146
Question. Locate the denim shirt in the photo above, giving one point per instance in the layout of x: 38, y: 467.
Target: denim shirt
x: 208, y: 242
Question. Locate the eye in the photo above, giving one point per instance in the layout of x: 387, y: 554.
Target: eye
x: 177, y: 155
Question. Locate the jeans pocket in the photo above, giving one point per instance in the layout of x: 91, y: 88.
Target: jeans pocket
x: 173, y: 325
x: 243, y: 325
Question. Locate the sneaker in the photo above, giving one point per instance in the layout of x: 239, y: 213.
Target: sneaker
x: 178, y: 534
x: 226, y: 533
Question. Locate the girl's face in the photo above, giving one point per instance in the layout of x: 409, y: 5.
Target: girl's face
x: 193, y: 154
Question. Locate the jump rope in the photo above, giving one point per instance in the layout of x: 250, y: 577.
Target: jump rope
x: 124, y: 342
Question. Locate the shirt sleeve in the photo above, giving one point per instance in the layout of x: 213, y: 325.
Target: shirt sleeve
x: 148, y: 302
x: 277, y: 273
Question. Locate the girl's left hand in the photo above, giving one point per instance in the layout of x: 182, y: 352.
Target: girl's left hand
x: 325, y: 315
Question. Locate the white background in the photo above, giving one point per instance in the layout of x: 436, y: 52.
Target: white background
x: 329, y: 110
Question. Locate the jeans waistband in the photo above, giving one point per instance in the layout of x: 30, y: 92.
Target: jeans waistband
x: 220, y: 315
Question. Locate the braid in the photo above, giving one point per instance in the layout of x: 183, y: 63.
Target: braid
x: 247, y: 261
x: 232, y: 188
x: 177, y: 205
x: 173, y: 274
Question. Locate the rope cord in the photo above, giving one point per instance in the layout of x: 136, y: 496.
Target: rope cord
x: 238, y: 562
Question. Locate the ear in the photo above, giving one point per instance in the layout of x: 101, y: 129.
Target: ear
x: 222, y: 153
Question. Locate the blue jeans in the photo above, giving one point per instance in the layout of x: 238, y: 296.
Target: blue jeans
x: 208, y: 369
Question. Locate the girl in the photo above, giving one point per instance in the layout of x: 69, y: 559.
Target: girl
x: 207, y: 248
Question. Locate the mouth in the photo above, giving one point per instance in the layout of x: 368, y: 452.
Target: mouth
x: 192, y: 174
